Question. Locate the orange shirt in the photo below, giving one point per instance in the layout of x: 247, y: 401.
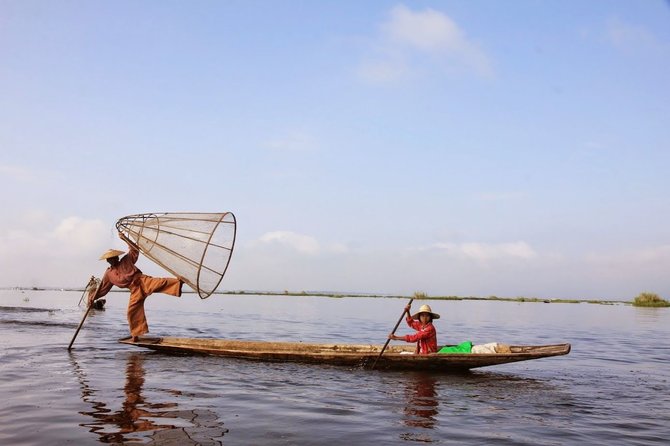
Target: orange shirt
x: 121, y: 275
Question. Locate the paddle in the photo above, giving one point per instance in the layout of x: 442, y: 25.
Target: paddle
x: 69, y: 347
x: 92, y: 282
x: 393, y: 332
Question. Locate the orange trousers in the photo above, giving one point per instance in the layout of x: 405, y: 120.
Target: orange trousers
x: 141, y: 288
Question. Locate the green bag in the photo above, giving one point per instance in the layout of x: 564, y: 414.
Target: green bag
x: 463, y: 347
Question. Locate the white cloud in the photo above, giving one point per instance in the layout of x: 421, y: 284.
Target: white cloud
x: 484, y: 252
x: 297, y: 243
x: 501, y: 196
x: 51, y: 253
x: 338, y: 248
x: 630, y: 272
x: 296, y: 141
x: 383, y: 71
x: 79, y: 233
x: 302, y: 243
x: 626, y: 36
x: 650, y: 258
x: 430, y: 35
x: 65, y: 253
x: 16, y: 173
x: 428, y: 31
x: 463, y: 269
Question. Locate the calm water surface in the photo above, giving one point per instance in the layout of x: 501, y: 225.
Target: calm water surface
x: 613, y: 388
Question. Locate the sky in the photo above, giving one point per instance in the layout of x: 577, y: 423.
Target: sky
x: 468, y: 148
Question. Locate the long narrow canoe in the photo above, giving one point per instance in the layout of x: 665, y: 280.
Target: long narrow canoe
x: 395, y: 357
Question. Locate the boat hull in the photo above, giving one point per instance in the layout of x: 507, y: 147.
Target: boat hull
x: 394, y: 357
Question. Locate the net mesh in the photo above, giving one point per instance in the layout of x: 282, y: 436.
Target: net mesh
x: 193, y: 246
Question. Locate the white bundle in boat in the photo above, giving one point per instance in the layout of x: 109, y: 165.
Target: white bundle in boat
x: 195, y: 247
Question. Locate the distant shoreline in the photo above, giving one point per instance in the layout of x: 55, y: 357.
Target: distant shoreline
x: 375, y: 295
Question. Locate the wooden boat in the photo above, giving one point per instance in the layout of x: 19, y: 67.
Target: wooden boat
x: 394, y: 357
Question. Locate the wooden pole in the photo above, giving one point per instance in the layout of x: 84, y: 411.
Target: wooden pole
x: 91, y: 283
x: 69, y: 347
x: 393, y: 332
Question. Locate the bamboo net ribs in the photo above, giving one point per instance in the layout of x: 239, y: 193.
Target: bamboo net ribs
x: 195, y: 247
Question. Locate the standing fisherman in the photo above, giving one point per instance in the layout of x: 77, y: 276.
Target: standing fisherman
x: 124, y: 274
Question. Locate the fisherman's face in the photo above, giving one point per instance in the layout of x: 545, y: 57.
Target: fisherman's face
x: 425, y: 318
x: 113, y: 261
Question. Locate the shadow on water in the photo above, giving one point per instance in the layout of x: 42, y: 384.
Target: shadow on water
x: 140, y: 421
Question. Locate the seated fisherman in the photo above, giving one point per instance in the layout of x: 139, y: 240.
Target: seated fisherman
x: 426, y: 335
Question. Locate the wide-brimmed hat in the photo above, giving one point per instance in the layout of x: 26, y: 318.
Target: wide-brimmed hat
x: 425, y: 309
x: 111, y: 253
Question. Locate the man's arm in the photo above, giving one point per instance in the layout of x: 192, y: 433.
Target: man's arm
x: 133, y: 250
x: 103, y: 289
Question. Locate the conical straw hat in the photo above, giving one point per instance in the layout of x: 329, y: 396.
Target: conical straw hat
x: 425, y: 309
x: 111, y: 253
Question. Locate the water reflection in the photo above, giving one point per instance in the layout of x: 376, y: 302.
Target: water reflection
x: 421, y: 407
x: 649, y: 316
x: 140, y: 421
x: 433, y: 403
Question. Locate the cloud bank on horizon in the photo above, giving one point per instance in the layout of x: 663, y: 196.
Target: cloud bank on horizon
x: 513, y: 150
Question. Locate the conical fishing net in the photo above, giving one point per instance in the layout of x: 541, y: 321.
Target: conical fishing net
x: 193, y: 246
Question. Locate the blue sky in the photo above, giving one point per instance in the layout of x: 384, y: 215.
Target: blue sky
x: 455, y: 148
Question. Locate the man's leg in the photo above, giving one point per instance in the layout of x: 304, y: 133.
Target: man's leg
x: 137, y: 320
x: 161, y: 285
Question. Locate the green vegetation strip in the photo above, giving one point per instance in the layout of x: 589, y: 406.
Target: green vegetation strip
x: 420, y: 295
x: 645, y: 299
x: 650, y: 300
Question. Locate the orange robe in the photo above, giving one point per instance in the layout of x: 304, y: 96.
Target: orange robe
x: 126, y: 275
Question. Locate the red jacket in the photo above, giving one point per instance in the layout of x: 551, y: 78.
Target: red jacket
x: 425, y: 337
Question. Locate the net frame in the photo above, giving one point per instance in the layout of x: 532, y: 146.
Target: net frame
x: 202, y: 244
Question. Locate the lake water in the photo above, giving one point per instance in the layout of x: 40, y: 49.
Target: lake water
x: 613, y: 388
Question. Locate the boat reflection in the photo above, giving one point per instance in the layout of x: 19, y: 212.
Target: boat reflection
x: 140, y: 421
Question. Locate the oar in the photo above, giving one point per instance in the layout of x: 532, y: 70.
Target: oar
x: 69, y: 347
x: 91, y: 282
x: 393, y: 332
